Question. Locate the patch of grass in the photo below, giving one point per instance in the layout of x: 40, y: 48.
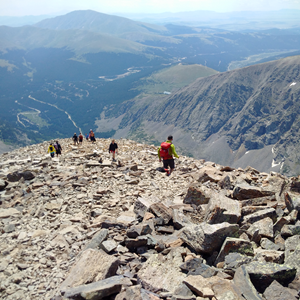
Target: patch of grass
x: 173, y: 78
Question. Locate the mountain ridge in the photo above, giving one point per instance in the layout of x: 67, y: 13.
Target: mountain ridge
x: 253, y: 108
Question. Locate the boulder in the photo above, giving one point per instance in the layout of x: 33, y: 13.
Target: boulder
x: 162, y: 211
x: 275, y: 291
x: 197, y: 194
x: 292, y: 258
x: 235, y: 260
x: 222, y: 209
x: 162, y: 273
x: 206, y: 238
x: 96, y: 290
x: 263, y: 273
x: 269, y: 256
x: 243, y: 284
x: 249, y: 192
x: 290, y: 230
x: 291, y: 244
x: 142, y: 205
x: 97, y: 239
x: 179, y: 219
x: 209, y: 173
x: 234, y: 245
x: 264, y: 228
x: 88, y: 269
x: 259, y: 215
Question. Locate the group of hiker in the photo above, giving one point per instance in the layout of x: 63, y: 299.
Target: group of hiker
x: 78, y: 139
x: 166, y: 151
x: 54, y: 149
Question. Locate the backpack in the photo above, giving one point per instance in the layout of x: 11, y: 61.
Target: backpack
x: 164, y: 150
x: 51, y: 149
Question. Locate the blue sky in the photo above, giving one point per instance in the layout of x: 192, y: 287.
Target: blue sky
x: 42, y: 7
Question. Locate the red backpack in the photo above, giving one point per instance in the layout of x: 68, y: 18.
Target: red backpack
x: 164, y: 150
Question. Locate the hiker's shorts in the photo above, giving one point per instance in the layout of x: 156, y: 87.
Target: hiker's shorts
x: 169, y: 163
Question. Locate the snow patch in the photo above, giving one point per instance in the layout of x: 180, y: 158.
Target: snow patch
x: 294, y: 83
x: 247, y: 152
x: 274, y: 164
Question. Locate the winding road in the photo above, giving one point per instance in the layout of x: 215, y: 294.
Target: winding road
x: 69, y: 116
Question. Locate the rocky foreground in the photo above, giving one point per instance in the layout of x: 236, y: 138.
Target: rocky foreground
x: 83, y: 227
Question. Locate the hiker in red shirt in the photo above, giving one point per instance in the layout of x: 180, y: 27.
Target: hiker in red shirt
x: 166, y: 151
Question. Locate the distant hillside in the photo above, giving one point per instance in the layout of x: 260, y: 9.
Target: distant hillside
x: 248, y: 116
x: 79, y: 41
x: 98, y: 22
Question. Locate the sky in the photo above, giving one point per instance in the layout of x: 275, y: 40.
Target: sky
x: 56, y: 7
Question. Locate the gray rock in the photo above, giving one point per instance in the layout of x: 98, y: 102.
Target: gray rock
x: 142, y: 205
x: 131, y: 292
x: 291, y: 244
x: 244, y: 285
x: 269, y: 245
x: 96, y: 290
x: 191, y: 265
x: 234, y: 245
x: 88, y: 269
x: 262, y: 274
x: 183, y: 290
x: 161, y: 272
x: 222, y: 209
x: 134, y: 231
x: 293, y: 258
x: 269, y: 256
x: 264, y: 228
x: 290, y: 230
x: 108, y: 245
x: 197, y: 194
x: 179, y: 219
x: 206, y: 238
x: 204, y: 270
x: 259, y: 215
x: 9, y: 228
x: 162, y: 211
x: 235, y: 260
x: 277, y: 292
x: 249, y: 192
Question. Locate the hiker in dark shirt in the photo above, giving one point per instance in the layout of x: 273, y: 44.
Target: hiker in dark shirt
x: 92, y: 136
x: 113, y: 148
x: 75, y: 139
x: 58, y: 148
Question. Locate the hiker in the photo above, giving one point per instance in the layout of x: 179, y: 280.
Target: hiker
x: 75, y: 139
x: 113, y: 148
x: 92, y: 136
x: 166, y: 151
x: 80, y: 138
x: 87, y: 136
x: 58, y: 148
x: 51, y: 150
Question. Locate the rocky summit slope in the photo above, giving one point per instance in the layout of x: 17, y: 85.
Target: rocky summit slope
x: 83, y: 227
